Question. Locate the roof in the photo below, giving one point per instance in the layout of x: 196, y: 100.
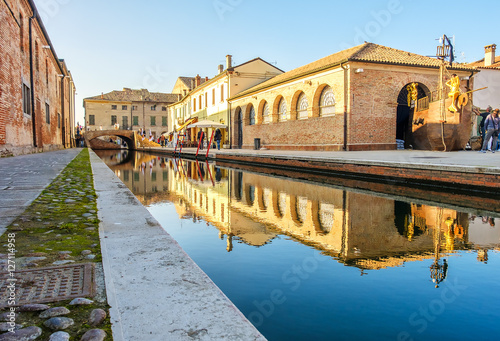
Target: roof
x: 367, y: 52
x: 132, y: 95
x: 480, y: 64
x: 253, y: 60
x: 187, y: 80
x: 191, y: 81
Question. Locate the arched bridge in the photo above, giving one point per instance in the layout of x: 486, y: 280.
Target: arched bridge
x: 91, y: 138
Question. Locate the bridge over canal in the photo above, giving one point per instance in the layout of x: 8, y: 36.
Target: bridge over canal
x: 93, y: 141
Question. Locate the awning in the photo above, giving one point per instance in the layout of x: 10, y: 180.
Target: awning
x: 191, y: 120
x: 207, y: 124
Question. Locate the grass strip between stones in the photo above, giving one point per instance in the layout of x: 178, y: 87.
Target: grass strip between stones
x: 61, y: 227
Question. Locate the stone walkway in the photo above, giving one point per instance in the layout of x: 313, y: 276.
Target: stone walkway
x: 24, y: 177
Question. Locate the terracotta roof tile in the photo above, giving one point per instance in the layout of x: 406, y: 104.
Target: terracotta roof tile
x: 132, y: 95
x: 191, y: 81
x: 367, y: 52
x: 480, y: 64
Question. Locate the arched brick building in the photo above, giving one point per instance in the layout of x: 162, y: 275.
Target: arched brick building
x: 356, y: 99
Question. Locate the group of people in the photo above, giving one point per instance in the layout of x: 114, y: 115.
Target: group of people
x: 490, y: 129
x: 217, y: 138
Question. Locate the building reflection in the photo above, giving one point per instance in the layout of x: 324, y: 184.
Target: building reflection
x: 366, y: 231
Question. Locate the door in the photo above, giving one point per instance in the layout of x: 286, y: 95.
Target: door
x: 240, y: 129
x: 125, y: 122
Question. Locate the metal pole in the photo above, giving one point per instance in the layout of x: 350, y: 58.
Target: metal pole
x: 211, y: 139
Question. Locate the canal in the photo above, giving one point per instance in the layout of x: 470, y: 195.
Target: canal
x: 315, y: 260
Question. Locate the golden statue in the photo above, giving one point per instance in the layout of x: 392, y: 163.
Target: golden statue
x: 454, y: 84
x: 412, y: 93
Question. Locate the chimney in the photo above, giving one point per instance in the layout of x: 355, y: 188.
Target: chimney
x: 228, y: 61
x: 221, y: 68
x: 198, y: 80
x: 206, y: 79
x: 102, y: 95
x: 489, y: 54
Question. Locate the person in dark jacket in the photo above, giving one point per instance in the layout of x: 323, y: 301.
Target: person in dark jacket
x: 218, y: 137
x: 201, y: 138
x: 483, y: 117
x: 492, y: 126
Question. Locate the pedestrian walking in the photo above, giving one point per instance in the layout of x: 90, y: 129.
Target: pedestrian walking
x: 491, y: 125
x: 218, y: 137
x: 483, y: 117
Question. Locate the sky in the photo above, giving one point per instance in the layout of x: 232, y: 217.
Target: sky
x: 111, y: 44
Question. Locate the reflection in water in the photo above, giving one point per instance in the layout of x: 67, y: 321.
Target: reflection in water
x: 361, y: 231
x: 368, y: 232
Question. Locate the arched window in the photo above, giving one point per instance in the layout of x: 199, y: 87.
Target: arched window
x: 266, y: 198
x: 327, y: 102
x: 282, y: 114
x: 302, y: 107
x: 301, y: 208
x: 326, y: 217
x: 251, y: 194
x: 266, y: 118
x: 252, y: 116
x: 282, y: 203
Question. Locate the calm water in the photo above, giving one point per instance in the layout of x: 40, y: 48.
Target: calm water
x: 309, y: 261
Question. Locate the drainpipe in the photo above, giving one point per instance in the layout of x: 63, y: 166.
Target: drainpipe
x: 343, y: 66
x: 229, y: 110
x: 62, y: 112
x: 32, y: 81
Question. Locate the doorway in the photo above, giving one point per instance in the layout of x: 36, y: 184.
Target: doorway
x: 239, y: 125
x: 404, y: 116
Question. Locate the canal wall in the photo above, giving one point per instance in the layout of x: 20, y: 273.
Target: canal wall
x: 456, y: 172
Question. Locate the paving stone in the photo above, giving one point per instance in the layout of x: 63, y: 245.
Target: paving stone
x: 8, y: 316
x: 59, y: 336
x: 97, y: 316
x: 33, y: 307
x: 58, y: 323
x: 6, y: 326
x: 62, y: 262
x: 53, y: 312
x: 94, y: 335
x: 81, y: 301
x: 24, y: 334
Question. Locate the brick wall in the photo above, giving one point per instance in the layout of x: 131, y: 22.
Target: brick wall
x: 16, y: 127
x: 370, y: 105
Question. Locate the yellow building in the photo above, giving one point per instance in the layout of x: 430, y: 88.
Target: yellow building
x: 129, y: 109
x: 207, y: 99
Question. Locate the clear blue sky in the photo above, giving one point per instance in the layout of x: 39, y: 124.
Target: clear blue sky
x: 111, y: 44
